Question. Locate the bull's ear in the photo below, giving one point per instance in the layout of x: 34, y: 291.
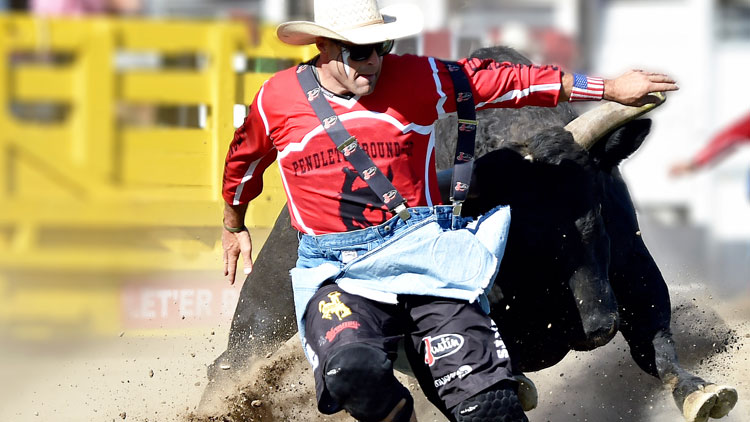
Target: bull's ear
x: 619, y: 144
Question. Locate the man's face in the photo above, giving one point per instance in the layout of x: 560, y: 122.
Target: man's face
x: 353, y: 69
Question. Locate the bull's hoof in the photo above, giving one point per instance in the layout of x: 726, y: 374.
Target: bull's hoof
x: 726, y: 398
x: 712, y: 400
x: 698, y: 405
x: 527, y: 393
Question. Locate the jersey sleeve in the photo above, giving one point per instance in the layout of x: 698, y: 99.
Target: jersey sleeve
x: 509, y: 85
x: 251, y: 152
x: 724, y: 141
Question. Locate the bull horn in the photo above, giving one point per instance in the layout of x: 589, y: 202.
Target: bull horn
x: 592, y: 125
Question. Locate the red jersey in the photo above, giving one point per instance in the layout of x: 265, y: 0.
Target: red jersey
x: 394, y: 125
x: 724, y: 141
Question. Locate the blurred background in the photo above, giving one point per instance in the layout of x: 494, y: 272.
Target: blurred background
x: 116, y: 116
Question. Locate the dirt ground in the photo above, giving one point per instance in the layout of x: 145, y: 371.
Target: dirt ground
x: 161, y: 378
x: 604, y: 385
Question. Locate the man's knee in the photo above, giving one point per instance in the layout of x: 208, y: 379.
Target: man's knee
x: 360, y: 378
x: 498, y: 403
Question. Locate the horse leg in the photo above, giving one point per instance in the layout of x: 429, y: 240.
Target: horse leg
x: 645, y: 312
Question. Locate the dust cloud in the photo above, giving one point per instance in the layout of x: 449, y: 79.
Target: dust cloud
x: 161, y: 378
x: 604, y: 385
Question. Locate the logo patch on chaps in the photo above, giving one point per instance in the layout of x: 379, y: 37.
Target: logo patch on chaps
x: 333, y: 332
x: 441, y: 346
x: 334, y: 307
x: 461, y: 372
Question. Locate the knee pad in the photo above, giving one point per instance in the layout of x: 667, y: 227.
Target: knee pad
x: 360, y: 378
x: 498, y: 403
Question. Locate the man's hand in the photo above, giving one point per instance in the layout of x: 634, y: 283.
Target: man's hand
x: 236, y: 242
x: 632, y: 88
x: 236, y: 245
x: 682, y: 168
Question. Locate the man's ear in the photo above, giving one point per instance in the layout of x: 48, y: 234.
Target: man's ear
x: 323, y: 45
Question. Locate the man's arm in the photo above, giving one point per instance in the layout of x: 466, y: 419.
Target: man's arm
x: 718, y: 147
x: 510, y: 85
x: 631, y: 88
x: 250, y: 153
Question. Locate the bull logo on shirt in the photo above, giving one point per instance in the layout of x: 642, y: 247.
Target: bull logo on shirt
x: 359, y: 206
x: 328, y: 122
x: 313, y: 94
x: 367, y: 174
x: 334, y: 307
x: 463, y: 96
x: 453, y: 68
x: 302, y: 68
x: 461, y: 187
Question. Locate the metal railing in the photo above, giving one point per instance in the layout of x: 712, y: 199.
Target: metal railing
x: 82, y: 191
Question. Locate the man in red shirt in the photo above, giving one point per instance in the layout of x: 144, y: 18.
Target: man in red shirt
x: 389, y: 105
x: 718, y: 147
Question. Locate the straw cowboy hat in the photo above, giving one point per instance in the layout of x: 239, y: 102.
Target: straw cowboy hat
x: 355, y: 22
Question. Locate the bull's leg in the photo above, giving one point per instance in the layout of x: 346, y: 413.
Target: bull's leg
x: 645, y: 312
x: 264, y: 318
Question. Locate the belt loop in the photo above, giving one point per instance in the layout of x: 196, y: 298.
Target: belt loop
x: 457, y: 206
x: 317, y: 242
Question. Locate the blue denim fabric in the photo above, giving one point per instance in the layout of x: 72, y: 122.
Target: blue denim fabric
x: 421, y: 256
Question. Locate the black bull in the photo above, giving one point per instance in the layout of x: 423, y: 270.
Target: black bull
x: 575, y: 270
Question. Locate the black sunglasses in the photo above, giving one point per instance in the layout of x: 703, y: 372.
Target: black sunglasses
x: 360, y: 52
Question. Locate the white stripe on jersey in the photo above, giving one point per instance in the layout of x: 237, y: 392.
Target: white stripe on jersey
x: 430, y: 152
x: 260, y: 109
x: 439, y: 88
x: 345, y: 102
x: 520, y: 93
x: 291, y: 204
x: 246, y: 178
x: 361, y: 114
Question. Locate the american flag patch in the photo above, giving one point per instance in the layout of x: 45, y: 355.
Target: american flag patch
x: 586, y: 88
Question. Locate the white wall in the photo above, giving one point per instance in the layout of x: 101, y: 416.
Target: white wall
x: 274, y: 11
x: 434, y: 11
x: 729, y: 203
x: 677, y: 37
x: 667, y: 37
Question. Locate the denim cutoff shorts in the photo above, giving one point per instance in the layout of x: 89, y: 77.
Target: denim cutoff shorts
x: 428, y: 254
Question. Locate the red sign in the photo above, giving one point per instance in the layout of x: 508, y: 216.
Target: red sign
x: 172, y: 305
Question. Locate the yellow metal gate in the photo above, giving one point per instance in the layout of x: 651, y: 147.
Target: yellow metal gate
x: 93, y: 205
